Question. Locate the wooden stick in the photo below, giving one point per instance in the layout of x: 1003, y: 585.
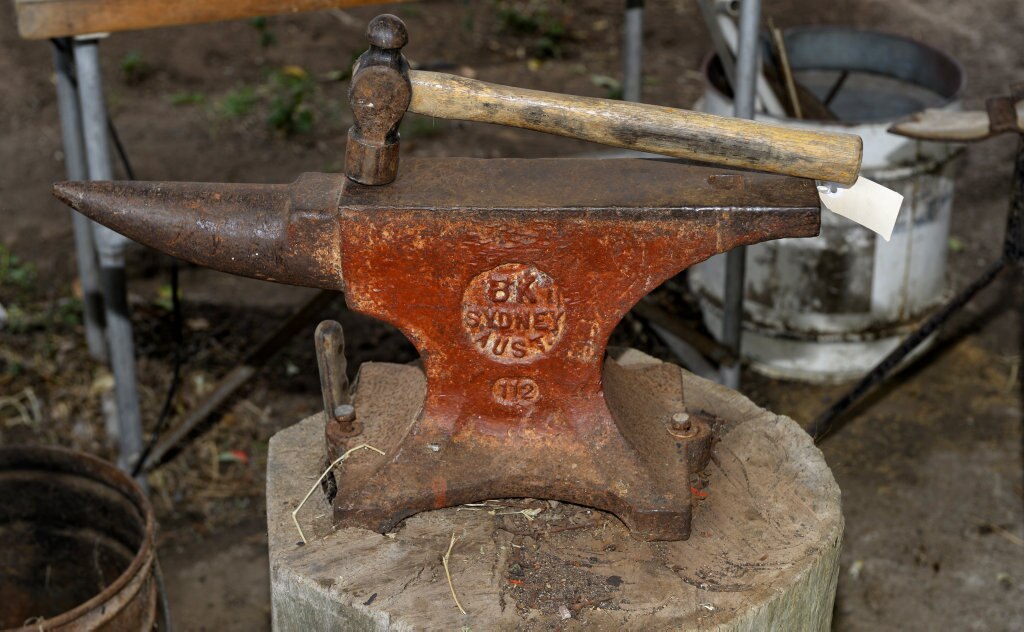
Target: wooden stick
x: 787, y: 70
x: 295, y: 512
x: 833, y: 157
x: 447, y: 572
x: 42, y: 19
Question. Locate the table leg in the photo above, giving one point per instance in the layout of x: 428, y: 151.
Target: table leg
x: 111, y: 248
x: 633, y: 51
x: 74, y: 160
x: 747, y: 70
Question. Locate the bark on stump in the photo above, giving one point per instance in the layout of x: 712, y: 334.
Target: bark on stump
x: 764, y: 554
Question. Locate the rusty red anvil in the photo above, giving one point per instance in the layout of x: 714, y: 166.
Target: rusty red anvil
x: 508, y: 276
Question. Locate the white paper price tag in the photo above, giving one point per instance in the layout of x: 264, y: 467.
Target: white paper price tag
x: 866, y: 202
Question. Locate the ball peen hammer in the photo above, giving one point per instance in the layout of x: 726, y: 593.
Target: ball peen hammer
x: 383, y: 88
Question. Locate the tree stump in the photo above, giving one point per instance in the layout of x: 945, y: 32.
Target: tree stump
x: 763, y: 554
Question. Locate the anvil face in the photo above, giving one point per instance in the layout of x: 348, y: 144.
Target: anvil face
x: 508, y: 276
x: 510, y: 300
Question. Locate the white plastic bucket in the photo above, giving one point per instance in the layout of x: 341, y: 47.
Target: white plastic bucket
x: 829, y: 308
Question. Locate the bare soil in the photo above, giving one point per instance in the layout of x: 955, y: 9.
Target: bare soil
x: 930, y: 466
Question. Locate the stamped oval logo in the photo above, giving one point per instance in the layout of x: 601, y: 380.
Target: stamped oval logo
x: 514, y: 313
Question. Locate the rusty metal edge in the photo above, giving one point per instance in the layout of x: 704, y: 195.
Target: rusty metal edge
x: 957, y: 93
x: 123, y: 590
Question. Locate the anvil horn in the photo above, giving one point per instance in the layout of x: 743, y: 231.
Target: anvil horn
x: 273, y: 232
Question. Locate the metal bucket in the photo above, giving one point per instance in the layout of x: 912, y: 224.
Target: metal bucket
x: 77, y: 544
x: 831, y: 307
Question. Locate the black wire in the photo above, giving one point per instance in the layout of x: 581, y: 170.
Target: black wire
x: 116, y: 139
x: 834, y: 90
x: 825, y: 420
x: 161, y: 588
x: 179, y: 343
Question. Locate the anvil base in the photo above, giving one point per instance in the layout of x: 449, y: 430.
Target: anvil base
x: 633, y: 458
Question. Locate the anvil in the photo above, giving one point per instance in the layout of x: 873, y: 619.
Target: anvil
x: 508, y: 275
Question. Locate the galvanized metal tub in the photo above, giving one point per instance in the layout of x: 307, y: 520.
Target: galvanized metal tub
x: 829, y: 308
x: 78, y: 551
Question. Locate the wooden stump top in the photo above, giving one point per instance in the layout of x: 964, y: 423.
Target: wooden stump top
x: 763, y: 554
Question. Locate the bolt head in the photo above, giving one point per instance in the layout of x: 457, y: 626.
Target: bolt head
x: 387, y: 32
x: 681, y: 426
x: 344, y: 411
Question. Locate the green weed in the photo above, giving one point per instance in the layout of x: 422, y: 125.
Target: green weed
x: 291, y: 88
x: 163, y: 297
x: 134, y: 68
x: 68, y: 311
x: 267, y: 37
x: 187, y: 98
x: 18, y: 321
x: 534, y: 20
x: 346, y: 73
x: 11, y: 366
x: 612, y: 86
x: 14, y: 271
x: 237, y: 103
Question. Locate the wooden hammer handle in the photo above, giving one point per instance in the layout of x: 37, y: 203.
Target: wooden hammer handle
x: 730, y: 142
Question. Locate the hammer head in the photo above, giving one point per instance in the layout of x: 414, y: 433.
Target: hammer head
x: 379, y: 96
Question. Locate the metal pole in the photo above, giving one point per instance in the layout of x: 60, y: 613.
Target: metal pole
x: 736, y: 259
x: 1013, y: 250
x: 111, y: 250
x: 74, y: 162
x: 633, y: 51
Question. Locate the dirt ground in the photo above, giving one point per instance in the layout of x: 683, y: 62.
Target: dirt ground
x: 930, y: 466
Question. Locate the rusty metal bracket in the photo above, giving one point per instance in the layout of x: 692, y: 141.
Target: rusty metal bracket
x: 1002, y: 115
x: 338, y: 410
